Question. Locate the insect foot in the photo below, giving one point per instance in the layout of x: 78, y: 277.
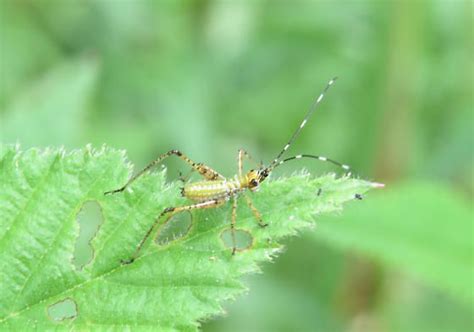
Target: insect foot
x: 127, y: 261
x: 167, y: 210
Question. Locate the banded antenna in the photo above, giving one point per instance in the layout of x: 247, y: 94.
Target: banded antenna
x: 275, y: 162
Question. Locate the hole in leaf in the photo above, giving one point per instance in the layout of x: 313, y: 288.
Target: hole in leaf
x: 175, y: 228
x: 89, y: 219
x: 66, y: 309
x: 243, y: 239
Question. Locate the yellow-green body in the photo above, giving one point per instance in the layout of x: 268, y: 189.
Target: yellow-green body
x: 206, y: 190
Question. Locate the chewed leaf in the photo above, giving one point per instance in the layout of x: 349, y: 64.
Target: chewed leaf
x: 174, y: 284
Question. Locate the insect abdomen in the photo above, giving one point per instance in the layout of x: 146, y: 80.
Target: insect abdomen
x: 207, y: 190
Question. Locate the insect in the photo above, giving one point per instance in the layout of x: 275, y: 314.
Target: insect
x: 216, y: 190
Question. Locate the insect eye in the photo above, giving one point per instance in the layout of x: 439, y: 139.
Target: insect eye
x: 253, y: 183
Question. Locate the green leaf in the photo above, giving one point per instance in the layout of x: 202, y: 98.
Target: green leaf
x: 171, y: 286
x: 422, y: 228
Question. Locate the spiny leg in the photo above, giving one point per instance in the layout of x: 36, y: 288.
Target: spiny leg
x: 232, y: 224
x: 170, y: 212
x: 202, y: 169
x: 255, y: 212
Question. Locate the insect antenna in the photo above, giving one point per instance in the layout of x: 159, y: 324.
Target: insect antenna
x: 303, y: 123
x: 345, y: 167
x: 276, y: 162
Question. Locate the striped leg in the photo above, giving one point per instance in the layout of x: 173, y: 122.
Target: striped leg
x: 255, y: 212
x: 170, y: 212
x: 202, y: 169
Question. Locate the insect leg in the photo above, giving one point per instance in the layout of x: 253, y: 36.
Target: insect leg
x: 204, y: 170
x: 242, y: 154
x: 232, y: 224
x: 239, y: 158
x: 255, y: 212
x: 170, y: 212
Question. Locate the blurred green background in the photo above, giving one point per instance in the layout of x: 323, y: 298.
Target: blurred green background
x: 209, y: 77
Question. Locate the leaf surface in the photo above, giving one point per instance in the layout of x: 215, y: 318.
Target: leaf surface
x: 171, y: 286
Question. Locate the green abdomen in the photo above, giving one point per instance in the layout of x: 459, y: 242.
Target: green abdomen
x: 207, y: 190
